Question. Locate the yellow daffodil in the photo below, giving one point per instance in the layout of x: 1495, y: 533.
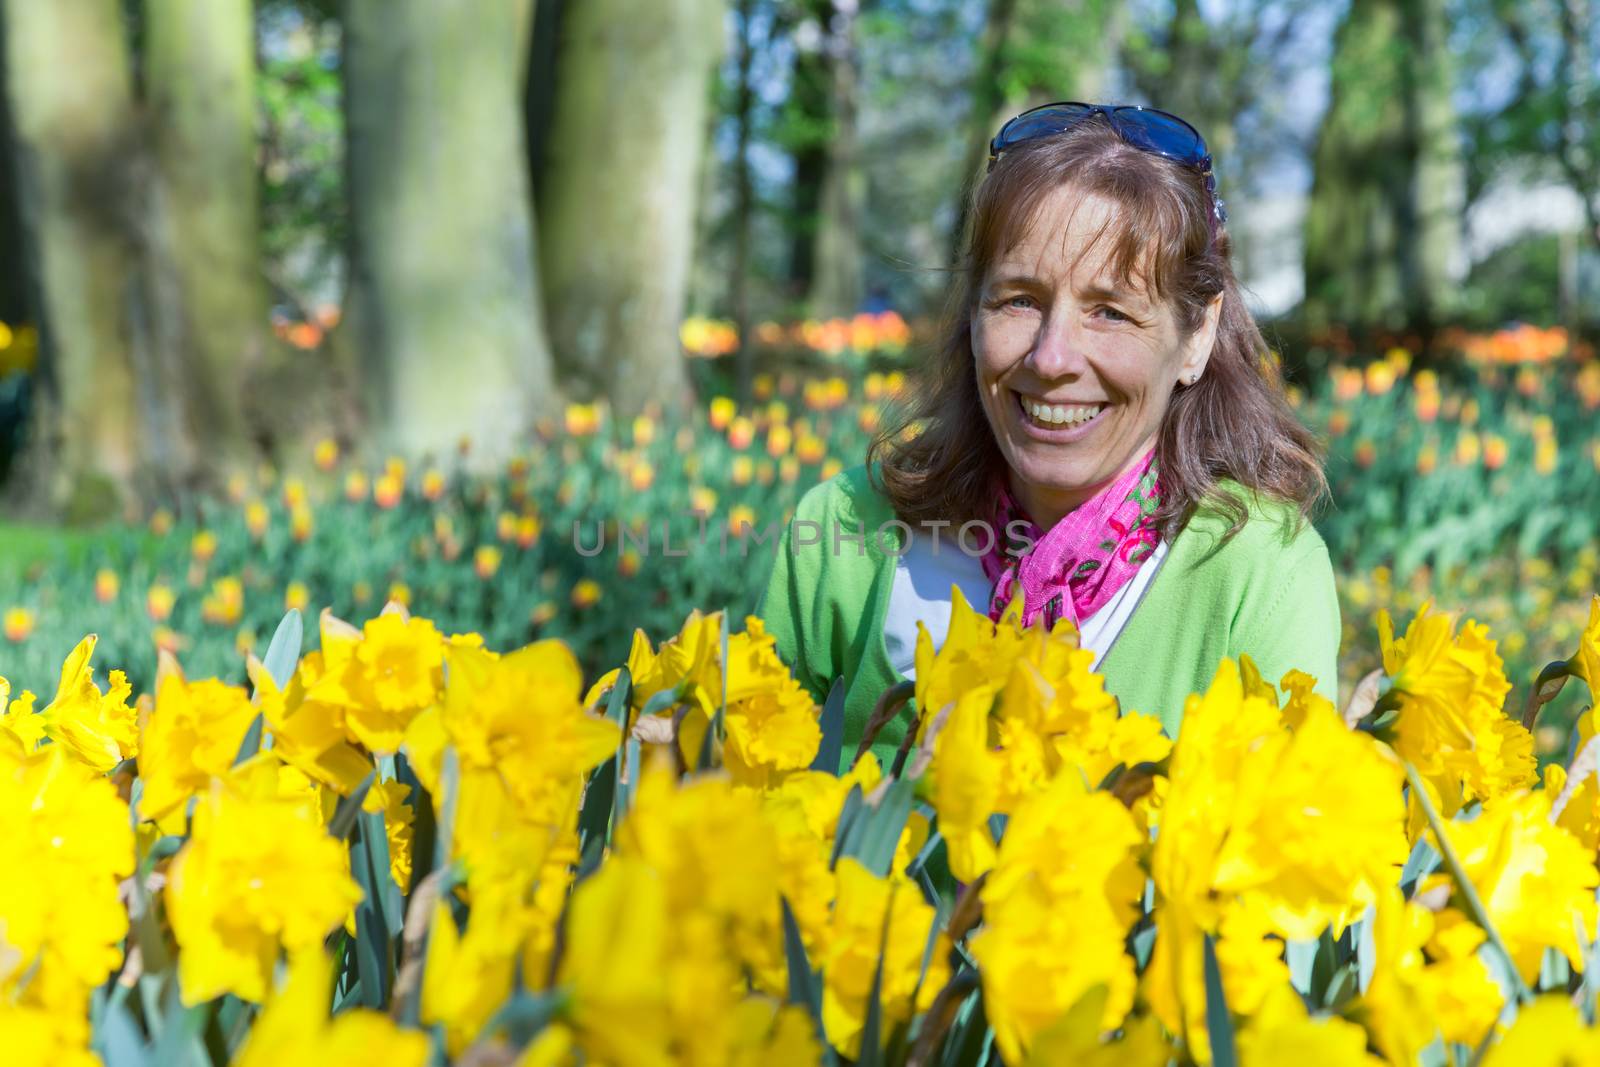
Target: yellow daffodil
x: 468, y: 973
x: 1057, y: 908
x: 68, y: 844
x: 1318, y: 825
x: 310, y: 734
x: 709, y: 842
x: 1078, y: 1038
x: 1549, y: 1032
x: 1585, y: 663
x: 18, y: 719
x: 1264, y: 831
x: 294, y: 1028
x: 99, y: 728
x: 771, y: 720
x: 519, y: 715
x: 616, y: 963
x: 193, y: 733
x: 1451, y: 689
x: 966, y: 785
x: 389, y: 800
x: 857, y: 938
x: 1409, y: 1000
x: 257, y: 874
x: 1284, y: 1034
x: 382, y: 675
x: 45, y: 1037
x: 1536, y: 880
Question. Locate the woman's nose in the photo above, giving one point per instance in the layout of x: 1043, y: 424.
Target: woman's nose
x: 1057, y: 349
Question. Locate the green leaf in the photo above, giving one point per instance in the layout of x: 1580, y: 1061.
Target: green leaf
x: 707, y: 758
x: 718, y: 721
x: 883, y: 828
x: 525, y: 1014
x: 1141, y: 942
x: 372, y: 936
x: 1219, y: 1023
x: 804, y: 986
x: 117, y: 1038
x: 594, y: 821
x: 283, y: 652
x: 349, y: 808
x: 1324, y: 963
x: 854, y: 804
x: 970, y: 1040
x: 251, y: 744
x: 377, y: 844
x: 449, y: 794
x: 831, y: 750
x: 626, y: 791
x: 617, y: 700
x: 1301, y: 955
x: 180, y: 1030
x: 660, y: 702
x: 1423, y: 861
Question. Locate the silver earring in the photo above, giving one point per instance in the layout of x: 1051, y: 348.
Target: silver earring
x: 1193, y: 378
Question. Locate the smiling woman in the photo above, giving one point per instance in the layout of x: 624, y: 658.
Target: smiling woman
x: 1104, y: 408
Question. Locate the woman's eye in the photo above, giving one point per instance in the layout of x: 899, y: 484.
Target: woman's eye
x: 1119, y: 316
x: 1012, y: 301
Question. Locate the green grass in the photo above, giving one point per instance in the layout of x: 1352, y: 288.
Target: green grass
x: 25, y: 544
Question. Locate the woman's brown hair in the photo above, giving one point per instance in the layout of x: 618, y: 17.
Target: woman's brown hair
x: 1235, y: 422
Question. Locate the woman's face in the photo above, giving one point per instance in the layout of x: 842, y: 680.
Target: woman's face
x: 1075, y: 372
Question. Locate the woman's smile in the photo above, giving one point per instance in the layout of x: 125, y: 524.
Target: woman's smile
x: 1058, y: 423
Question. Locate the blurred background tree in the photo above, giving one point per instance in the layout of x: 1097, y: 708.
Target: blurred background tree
x: 239, y: 227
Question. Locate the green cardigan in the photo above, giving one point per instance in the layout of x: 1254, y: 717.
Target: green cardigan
x: 1268, y: 591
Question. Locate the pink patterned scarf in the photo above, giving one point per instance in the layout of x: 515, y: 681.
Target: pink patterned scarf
x: 1071, y: 571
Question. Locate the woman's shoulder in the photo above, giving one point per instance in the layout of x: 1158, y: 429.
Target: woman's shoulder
x: 1273, y: 527
x: 852, y: 497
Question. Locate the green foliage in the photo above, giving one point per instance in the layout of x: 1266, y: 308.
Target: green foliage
x: 299, y: 90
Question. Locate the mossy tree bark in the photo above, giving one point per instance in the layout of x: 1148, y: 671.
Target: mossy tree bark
x: 201, y: 98
x: 444, y: 298
x: 1382, y: 236
x: 109, y: 424
x: 836, y: 286
x: 617, y: 208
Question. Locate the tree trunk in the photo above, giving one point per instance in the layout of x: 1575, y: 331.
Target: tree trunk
x: 836, y: 284
x: 622, y: 170
x: 1034, y: 52
x: 988, y: 100
x: 1439, y: 184
x: 1382, y: 227
x: 444, y: 295
x: 539, y: 91
x: 68, y: 79
x: 743, y: 203
x: 808, y: 115
x: 200, y: 83
x: 16, y: 296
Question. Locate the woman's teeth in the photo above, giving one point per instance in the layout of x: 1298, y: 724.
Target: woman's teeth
x: 1059, y: 415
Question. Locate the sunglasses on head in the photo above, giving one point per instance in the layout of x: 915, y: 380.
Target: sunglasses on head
x: 1145, y: 128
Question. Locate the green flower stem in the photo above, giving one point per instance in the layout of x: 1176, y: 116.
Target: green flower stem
x: 1469, y: 892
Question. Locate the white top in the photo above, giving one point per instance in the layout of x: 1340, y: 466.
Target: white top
x: 924, y: 574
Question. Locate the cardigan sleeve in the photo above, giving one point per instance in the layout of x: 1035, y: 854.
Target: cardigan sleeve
x: 1299, y: 626
x: 790, y: 607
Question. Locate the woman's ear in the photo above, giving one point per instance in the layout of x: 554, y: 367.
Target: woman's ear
x: 1197, y: 350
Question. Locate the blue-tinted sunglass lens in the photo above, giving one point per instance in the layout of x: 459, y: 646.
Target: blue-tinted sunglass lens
x: 1037, y: 123
x: 1158, y: 133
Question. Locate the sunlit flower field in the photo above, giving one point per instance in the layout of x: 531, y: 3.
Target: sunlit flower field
x: 406, y: 847
x: 538, y: 804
